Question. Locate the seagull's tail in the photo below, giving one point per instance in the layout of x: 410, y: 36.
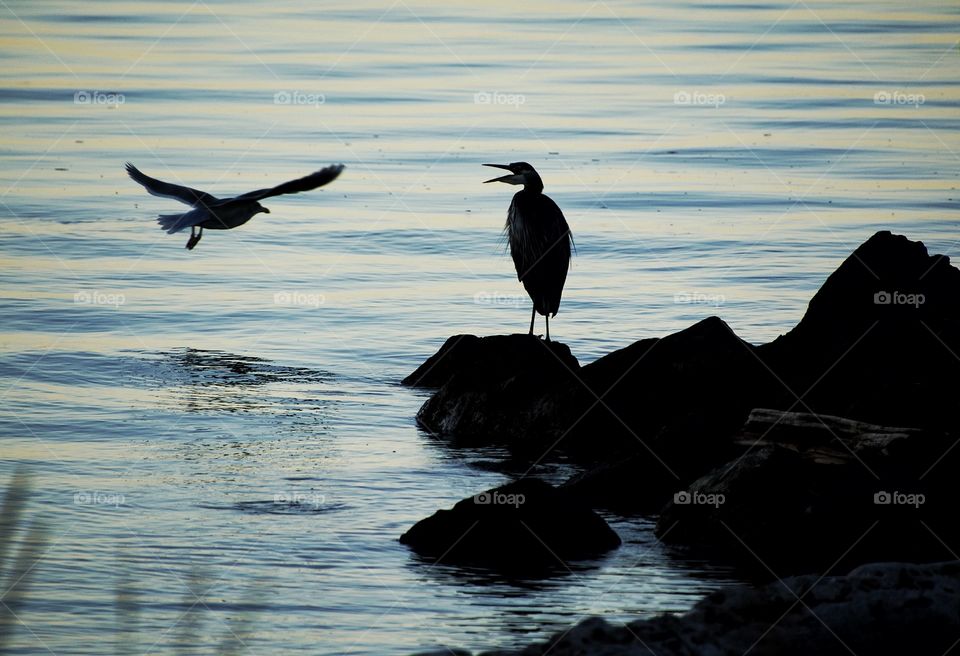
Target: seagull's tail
x: 176, y: 222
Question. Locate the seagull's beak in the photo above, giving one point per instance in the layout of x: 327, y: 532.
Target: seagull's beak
x: 513, y: 178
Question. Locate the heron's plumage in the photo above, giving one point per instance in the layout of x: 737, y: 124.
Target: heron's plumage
x: 539, y: 238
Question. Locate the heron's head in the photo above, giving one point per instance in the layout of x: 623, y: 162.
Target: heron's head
x: 521, y: 173
x: 260, y: 208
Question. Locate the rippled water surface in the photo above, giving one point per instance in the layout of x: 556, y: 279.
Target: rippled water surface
x: 218, y: 441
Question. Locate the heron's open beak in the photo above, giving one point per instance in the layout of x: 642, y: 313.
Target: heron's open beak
x: 513, y: 178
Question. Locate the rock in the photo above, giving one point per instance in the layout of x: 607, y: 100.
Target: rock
x: 490, y: 360
x: 668, y: 410
x: 883, y: 608
x: 674, y: 398
x: 880, y: 340
x: 879, y: 343
x: 492, y: 389
x: 636, y: 484
x: 813, y: 489
x: 496, y: 389
x: 675, y: 390
x: 525, y: 525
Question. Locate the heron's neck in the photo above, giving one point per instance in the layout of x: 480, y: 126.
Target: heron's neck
x: 533, y: 184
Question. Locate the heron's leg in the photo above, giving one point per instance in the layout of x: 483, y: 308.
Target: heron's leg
x: 533, y: 315
x: 546, y: 318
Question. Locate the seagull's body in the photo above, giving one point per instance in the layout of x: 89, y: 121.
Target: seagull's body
x: 540, y: 240
x: 222, y: 213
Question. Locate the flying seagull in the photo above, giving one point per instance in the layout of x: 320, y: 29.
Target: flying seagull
x: 540, y: 240
x: 222, y: 213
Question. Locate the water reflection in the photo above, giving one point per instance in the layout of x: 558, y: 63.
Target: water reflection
x: 553, y: 467
x: 207, y: 381
x: 506, y: 582
x: 287, y: 412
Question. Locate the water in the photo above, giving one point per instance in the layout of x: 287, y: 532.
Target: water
x: 223, y: 430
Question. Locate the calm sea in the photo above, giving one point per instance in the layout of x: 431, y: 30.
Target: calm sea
x: 217, y: 439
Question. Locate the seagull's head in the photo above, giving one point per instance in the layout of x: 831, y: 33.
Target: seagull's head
x: 257, y: 208
x: 521, y: 173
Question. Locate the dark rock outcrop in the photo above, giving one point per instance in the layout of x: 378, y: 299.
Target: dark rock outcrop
x: 882, y: 608
x: 636, y: 484
x: 665, y: 396
x: 880, y: 343
x: 528, y: 525
x: 492, y: 389
x: 785, y: 457
x: 813, y: 491
x: 657, y: 398
x: 494, y: 359
x: 880, y: 340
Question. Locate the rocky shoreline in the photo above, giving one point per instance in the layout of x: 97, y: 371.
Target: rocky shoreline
x: 880, y: 608
x: 828, y: 449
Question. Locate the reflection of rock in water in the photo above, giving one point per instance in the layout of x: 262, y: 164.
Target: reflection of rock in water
x: 217, y: 381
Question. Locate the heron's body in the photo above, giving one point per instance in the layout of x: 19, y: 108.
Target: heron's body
x: 221, y: 213
x: 539, y: 239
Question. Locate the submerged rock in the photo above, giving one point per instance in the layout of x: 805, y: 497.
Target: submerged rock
x: 528, y: 524
x: 883, y: 608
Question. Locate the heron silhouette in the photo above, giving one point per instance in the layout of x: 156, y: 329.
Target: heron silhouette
x: 539, y: 238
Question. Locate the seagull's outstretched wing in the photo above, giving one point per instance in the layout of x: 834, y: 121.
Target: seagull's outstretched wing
x: 163, y: 189
x: 312, y: 181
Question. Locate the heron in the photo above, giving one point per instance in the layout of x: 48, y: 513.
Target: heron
x: 222, y: 213
x: 539, y: 238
